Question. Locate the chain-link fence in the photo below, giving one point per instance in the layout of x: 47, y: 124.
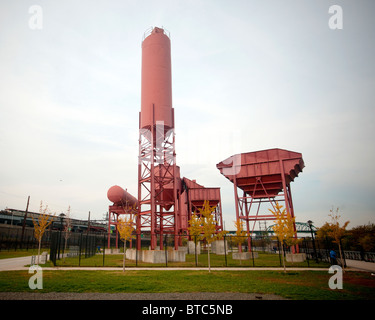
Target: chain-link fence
x: 93, y: 250
x: 75, y: 246
x: 13, y: 238
x: 96, y: 249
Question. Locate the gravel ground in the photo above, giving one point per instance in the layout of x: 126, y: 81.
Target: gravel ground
x: 137, y: 296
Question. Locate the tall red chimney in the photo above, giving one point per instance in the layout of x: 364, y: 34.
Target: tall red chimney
x: 157, y: 171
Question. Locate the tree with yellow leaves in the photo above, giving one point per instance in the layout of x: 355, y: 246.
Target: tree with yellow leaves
x: 240, y: 236
x: 284, y: 228
x: 336, y: 231
x: 209, y: 227
x: 125, y: 228
x: 40, y: 224
x: 203, y: 227
x: 195, y: 226
x: 195, y: 230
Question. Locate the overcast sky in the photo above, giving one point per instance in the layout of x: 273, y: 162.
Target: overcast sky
x: 247, y: 76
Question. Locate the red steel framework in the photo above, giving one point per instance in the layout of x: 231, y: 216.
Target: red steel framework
x: 263, y: 177
x: 165, y: 202
x: 157, y: 185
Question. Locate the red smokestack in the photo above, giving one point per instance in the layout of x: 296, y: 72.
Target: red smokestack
x: 156, y: 80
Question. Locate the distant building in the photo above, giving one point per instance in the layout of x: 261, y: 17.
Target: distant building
x: 15, y: 217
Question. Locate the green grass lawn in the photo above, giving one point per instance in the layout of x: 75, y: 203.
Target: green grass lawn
x: 264, y: 260
x: 310, y: 285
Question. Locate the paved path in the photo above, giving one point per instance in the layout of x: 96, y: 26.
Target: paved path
x: 14, y: 263
x: 138, y: 296
x: 361, y: 265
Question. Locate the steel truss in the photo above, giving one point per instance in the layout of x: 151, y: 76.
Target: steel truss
x: 249, y: 200
x: 157, y: 183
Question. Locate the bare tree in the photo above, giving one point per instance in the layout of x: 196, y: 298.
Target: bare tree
x: 67, y: 229
x: 337, y: 231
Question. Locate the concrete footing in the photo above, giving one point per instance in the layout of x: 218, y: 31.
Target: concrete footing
x: 107, y: 251
x: 112, y: 251
x: 177, y: 255
x: 218, y: 247
x: 156, y: 256
x: 191, y: 247
x: 295, y: 257
x: 153, y: 256
x: 244, y: 255
x: 131, y: 254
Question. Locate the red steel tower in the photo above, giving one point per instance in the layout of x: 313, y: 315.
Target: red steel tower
x: 158, y: 174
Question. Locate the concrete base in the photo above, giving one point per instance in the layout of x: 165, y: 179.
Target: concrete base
x: 183, y: 249
x: 244, y: 255
x: 176, y: 255
x: 112, y: 251
x: 131, y: 254
x: 156, y: 256
x: 217, y: 247
x: 296, y: 257
x: 153, y: 256
x: 191, y: 247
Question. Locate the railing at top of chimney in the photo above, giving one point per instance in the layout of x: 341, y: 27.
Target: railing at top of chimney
x: 149, y: 31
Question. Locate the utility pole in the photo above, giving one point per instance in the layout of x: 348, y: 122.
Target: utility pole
x: 88, y: 224
x: 24, y: 220
x: 87, y: 235
x: 310, y: 223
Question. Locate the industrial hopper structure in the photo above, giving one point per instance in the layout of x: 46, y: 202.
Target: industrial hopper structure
x: 261, y: 177
x: 123, y: 203
x: 193, y: 196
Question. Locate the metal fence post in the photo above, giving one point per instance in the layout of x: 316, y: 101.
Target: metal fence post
x: 225, y: 251
x: 252, y: 251
x: 80, y: 250
x: 165, y: 250
x: 104, y: 248
x: 278, y: 247
x: 58, y: 256
x: 306, y: 251
x: 343, y: 254
x: 327, y: 246
x: 53, y: 248
x: 196, y: 257
x: 136, y: 250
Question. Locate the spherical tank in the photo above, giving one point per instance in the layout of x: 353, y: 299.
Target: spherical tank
x: 119, y: 196
x: 156, y: 80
